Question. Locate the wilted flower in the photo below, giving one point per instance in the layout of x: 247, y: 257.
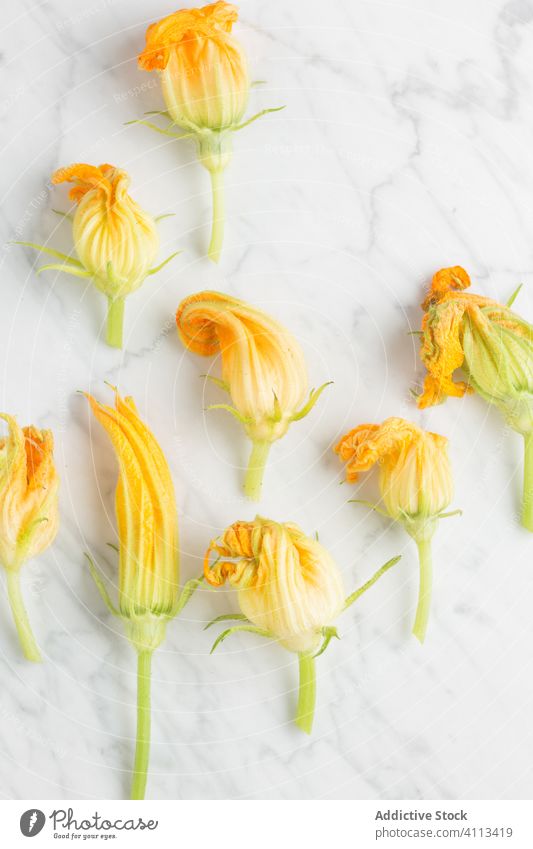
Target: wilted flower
x: 289, y: 589
x: 494, y: 348
x: 29, y: 511
x: 263, y: 369
x: 116, y: 241
x: 205, y: 83
x: 148, y: 587
x: 415, y: 483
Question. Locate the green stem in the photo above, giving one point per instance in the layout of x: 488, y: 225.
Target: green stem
x: 256, y: 469
x: 217, y: 231
x: 27, y: 640
x: 142, y: 749
x: 115, y: 321
x: 307, y: 695
x: 527, y: 501
x: 424, y: 592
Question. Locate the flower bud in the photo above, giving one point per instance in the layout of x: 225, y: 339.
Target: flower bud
x: 288, y: 583
x: 494, y: 348
x: 415, y: 477
x: 492, y: 344
x: 147, y: 523
x: 148, y: 585
x: 204, y: 78
x: 29, y: 512
x: 116, y: 240
x: 289, y: 589
x: 415, y: 482
x: 29, y: 484
x: 203, y: 68
x: 263, y: 367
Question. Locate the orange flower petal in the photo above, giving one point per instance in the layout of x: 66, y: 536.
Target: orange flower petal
x: 453, y: 279
x: 209, y: 21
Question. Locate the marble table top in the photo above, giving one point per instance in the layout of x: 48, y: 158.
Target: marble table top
x: 405, y: 146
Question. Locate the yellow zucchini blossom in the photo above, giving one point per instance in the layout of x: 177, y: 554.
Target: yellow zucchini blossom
x: 415, y: 481
x: 494, y: 348
x: 206, y: 86
x: 263, y: 369
x: 115, y: 239
x: 29, y: 511
x: 289, y: 589
x: 148, y: 581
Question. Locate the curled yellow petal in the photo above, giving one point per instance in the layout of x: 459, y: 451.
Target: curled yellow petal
x: 204, y: 72
x: 210, y: 21
x: 415, y: 474
x: 491, y: 343
x: 288, y: 583
x: 146, y: 514
x: 262, y: 364
x: 453, y: 279
x: 116, y: 240
x: 29, y: 484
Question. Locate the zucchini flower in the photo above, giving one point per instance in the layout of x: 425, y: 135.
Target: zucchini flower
x: 116, y: 241
x: 415, y: 482
x: 263, y: 370
x: 204, y: 78
x: 148, y: 571
x: 289, y: 590
x: 29, y: 512
x: 494, y: 348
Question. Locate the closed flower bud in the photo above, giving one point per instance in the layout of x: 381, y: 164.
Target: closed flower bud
x: 115, y: 239
x: 205, y: 83
x: 415, y: 477
x: 29, y: 511
x: 203, y: 69
x: 494, y: 348
x: 415, y: 482
x: 148, y: 584
x: 263, y: 369
x: 148, y: 580
x: 288, y: 583
x: 289, y: 589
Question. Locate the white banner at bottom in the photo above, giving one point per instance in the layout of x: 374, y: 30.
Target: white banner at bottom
x: 347, y: 824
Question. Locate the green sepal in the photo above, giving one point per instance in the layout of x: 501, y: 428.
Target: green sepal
x: 242, y: 419
x: 186, y: 593
x: 328, y: 632
x: 357, y: 593
x: 314, y: 395
x: 160, y: 112
x: 163, y: 132
x: 369, y: 504
x: 222, y: 384
x: 450, y: 514
x: 277, y: 415
x: 514, y: 296
x: 63, y: 214
x: 67, y: 269
x: 255, y: 117
x: 101, y: 587
x: 252, y: 629
x: 162, y: 264
x: 43, y: 249
x: 227, y: 617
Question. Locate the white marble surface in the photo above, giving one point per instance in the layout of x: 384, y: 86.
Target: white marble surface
x: 406, y: 146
